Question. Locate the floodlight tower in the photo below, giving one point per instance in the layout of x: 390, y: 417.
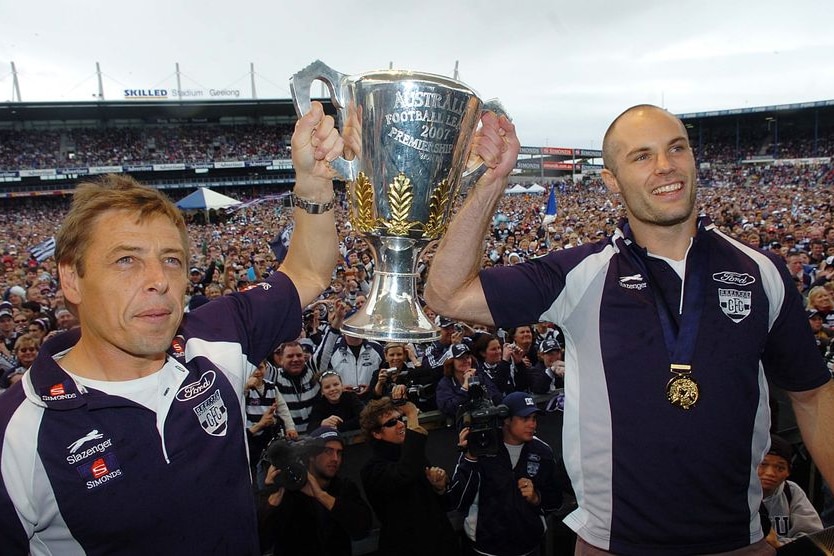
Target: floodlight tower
x: 100, y: 84
x: 252, y: 78
x: 15, y: 86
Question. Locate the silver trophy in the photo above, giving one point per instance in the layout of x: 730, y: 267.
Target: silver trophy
x: 416, y: 129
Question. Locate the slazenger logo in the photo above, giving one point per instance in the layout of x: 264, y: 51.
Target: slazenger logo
x: 196, y: 388
x: 92, y: 435
x: 733, y: 278
x: 633, y: 282
x: 213, y: 415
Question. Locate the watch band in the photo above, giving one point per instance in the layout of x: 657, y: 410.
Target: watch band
x: 312, y: 207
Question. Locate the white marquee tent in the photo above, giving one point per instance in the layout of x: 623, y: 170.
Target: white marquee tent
x: 206, y: 199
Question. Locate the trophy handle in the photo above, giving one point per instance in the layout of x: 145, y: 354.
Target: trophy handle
x: 300, y: 84
x: 473, y: 174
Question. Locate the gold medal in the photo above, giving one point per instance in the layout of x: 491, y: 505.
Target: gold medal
x: 681, y: 390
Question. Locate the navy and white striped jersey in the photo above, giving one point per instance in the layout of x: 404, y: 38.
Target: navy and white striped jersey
x: 651, y: 477
x: 88, y: 472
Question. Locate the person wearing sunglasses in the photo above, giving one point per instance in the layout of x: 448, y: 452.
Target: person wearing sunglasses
x: 409, y: 495
x: 25, y: 351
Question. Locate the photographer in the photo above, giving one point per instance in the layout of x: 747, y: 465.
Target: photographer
x: 321, y: 517
x: 403, y: 375
x: 458, y: 371
x: 505, y: 496
x: 407, y: 494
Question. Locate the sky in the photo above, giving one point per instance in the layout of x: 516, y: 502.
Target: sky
x: 563, y: 70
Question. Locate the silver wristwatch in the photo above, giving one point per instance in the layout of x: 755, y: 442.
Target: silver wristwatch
x: 310, y: 206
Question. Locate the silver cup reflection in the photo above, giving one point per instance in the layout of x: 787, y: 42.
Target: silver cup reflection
x: 415, y: 134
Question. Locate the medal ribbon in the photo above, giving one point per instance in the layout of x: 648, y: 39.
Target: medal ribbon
x: 680, y: 341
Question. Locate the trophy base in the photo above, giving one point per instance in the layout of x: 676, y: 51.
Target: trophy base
x: 392, y: 312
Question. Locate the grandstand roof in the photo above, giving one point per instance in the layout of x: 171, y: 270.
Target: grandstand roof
x: 20, y: 112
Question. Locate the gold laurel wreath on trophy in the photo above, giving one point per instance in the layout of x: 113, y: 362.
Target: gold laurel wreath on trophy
x: 400, y: 199
x: 362, y: 215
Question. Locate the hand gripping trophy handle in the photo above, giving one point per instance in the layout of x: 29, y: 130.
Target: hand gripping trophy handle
x: 300, y: 84
x: 413, y: 133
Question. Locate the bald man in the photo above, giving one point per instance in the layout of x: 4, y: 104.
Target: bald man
x: 672, y: 330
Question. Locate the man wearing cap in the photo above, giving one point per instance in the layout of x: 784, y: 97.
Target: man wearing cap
x: 815, y: 319
x: 197, y: 282
x: 438, y: 351
x: 791, y: 513
x: 324, y: 516
x: 505, y: 497
x: 549, y: 372
x: 8, y: 333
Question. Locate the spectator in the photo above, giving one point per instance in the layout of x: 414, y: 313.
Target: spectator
x: 459, y: 371
x: 822, y: 301
x: 296, y: 382
x: 408, y: 495
x: 403, y: 371
x: 821, y: 337
x: 354, y: 358
x: 437, y: 352
x: 267, y: 415
x: 494, y: 360
x: 25, y: 352
x: 323, y: 516
x: 8, y: 334
x: 791, y: 513
x: 549, y: 372
x: 335, y: 407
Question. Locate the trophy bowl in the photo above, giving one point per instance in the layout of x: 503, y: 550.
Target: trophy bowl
x: 415, y: 132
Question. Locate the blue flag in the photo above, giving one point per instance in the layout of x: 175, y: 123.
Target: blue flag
x: 550, y: 211
x: 281, y: 243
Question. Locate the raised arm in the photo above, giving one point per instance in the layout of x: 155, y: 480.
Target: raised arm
x: 453, y: 288
x: 313, y: 250
x: 814, y: 411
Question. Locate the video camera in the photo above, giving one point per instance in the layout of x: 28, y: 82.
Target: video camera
x: 291, y: 459
x: 484, y: 419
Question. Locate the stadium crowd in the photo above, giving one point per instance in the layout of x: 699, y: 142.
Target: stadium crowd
x: 84, y: 147
x: 326, y: 378
x: 202, y: 143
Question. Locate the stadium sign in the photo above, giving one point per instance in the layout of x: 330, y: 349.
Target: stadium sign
x: 146, y: 94
x: 561, y: 151
x: 529, y: 164
x: 530, y: 150
x: 105, y: 170
x: 588, y: 153
x: 202, y: 93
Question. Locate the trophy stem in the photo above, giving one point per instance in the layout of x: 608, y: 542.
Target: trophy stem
x: 392, y: 312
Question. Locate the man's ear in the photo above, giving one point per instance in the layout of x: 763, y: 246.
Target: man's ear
x: 68, y: 277
x: 377, y: 435
x: 610, y: 181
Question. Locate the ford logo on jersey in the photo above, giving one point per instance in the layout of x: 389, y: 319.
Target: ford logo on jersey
x: 194, y: 389
x: 733, y: 278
